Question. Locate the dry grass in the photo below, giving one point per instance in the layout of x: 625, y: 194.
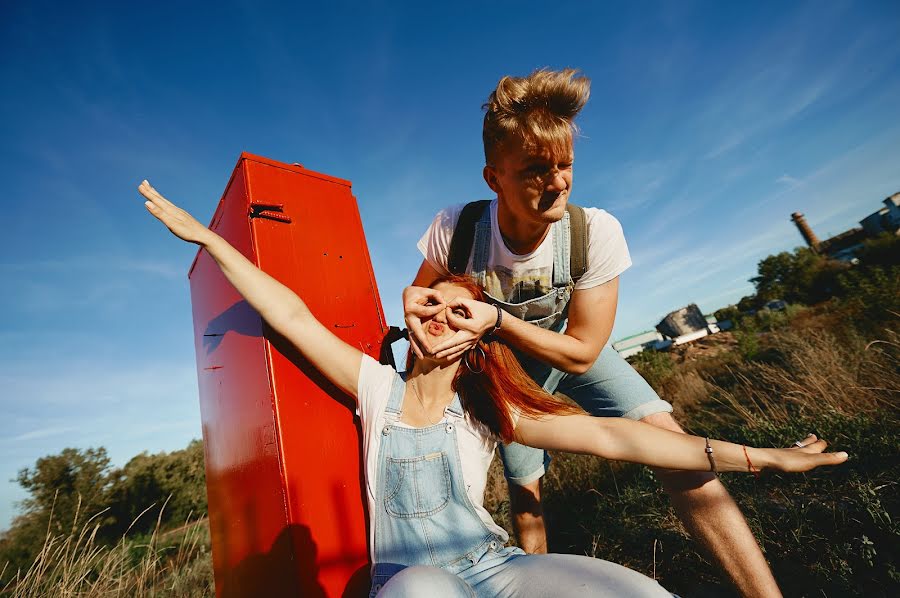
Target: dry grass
x: 76, y: 564
x: 826, y: 533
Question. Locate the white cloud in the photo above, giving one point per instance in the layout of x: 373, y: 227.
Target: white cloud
x: 788, y: 181
x: 39, y: 433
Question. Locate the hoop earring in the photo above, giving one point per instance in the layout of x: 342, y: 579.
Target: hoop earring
x: 483, y: 360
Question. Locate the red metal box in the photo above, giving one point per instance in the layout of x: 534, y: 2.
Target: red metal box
x: 283, y: 460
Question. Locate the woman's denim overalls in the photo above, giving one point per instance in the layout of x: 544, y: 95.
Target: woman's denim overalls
x: 423, y: 514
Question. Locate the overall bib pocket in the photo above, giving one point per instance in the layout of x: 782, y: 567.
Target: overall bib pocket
x: 417, y: 487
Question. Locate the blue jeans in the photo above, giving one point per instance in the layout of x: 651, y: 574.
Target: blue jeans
x: 510, y: 573
x: 611, y: 388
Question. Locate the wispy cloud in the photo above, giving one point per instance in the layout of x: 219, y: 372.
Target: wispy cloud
x: 40, y: 433
x: 97, y: 264
x: 788, y: 181
x: 634, y: 185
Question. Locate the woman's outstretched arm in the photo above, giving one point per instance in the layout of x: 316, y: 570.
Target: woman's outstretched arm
x: 623, y: 439
x: 279, y: 306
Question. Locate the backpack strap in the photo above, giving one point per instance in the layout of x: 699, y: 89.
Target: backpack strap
x: 464, y: 235
x: 578, y: 241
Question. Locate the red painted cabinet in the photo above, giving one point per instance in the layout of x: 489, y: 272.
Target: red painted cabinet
x: 283, y: 460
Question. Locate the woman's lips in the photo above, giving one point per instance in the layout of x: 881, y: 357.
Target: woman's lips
x: 435, y: 328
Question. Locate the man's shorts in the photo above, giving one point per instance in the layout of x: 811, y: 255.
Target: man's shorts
x: 611, y: 388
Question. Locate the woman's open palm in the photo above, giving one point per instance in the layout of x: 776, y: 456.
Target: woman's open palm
x: 180, y: 223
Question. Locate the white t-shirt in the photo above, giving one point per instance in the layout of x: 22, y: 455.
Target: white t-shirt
x: 476, y: 443
x: 517, y: 278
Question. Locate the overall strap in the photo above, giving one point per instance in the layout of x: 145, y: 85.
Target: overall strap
x: 472, y: 213
x: 579, y: 241
x: 463, y: 235
x: 395, y: 401
x: 561, y: 232
x: 482, y: 248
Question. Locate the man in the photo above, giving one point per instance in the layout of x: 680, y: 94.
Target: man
x: 520, y: 252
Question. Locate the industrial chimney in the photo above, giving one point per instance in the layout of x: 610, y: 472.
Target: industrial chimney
x: 808, y: 235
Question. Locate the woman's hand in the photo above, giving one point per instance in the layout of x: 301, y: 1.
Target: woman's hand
x: 806, y: 455
x: 179, y: 222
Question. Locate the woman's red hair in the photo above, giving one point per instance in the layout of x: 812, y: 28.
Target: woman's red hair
x: 502, y: 388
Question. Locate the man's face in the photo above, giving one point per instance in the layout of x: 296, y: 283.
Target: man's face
x: 532, y: 182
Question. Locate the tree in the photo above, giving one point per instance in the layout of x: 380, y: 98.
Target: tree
x: 72, y: 483
x: 176, y: 479
x: 799, y: 277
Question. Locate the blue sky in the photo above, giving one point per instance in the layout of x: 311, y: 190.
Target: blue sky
x: 709, y: 123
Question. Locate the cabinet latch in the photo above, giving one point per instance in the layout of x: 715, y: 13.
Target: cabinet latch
x: 271, y: 211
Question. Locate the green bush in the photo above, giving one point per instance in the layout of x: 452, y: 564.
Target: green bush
x: 655, y: 366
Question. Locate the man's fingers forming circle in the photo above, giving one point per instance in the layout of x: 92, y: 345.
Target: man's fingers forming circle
x: 414, y: 345
x: 461, y: 322
x: 417, y: 334
x: 456, y: 354
x: 456, y: 351
x: 460, y: 337
x: 424, y: 311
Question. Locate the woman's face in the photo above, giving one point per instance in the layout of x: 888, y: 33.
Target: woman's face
x: 437, y: 327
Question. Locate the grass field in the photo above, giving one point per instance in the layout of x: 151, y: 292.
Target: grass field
x: 826, y: 533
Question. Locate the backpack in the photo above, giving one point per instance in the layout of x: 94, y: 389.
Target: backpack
x: 464, y: 236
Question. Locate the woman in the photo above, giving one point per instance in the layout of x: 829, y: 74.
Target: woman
x: 429, y: 439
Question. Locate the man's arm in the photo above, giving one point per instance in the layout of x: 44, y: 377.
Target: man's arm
x: 592, y: 313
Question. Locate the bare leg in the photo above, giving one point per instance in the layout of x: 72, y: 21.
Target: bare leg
x: 714, y: 519
x: 528, y: 516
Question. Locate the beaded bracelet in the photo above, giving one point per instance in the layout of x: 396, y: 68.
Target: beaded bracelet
x: 712, y: 460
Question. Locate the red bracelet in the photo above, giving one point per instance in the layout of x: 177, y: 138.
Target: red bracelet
x: 750, y: 468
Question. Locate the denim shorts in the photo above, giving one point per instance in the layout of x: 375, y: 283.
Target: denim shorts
x: 611, y: 388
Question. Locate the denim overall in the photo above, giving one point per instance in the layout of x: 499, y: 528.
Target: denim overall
x: 423, y: 514
x: 547, y: 311
x: 610, y: 388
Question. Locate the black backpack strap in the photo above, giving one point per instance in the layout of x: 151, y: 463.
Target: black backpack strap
x: 464, y: 236
x: 578, y: 243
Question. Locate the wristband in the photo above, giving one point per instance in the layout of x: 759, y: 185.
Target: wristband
x: 499, y: 320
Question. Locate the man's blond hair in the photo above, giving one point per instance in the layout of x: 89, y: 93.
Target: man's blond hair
x: 539, y: 109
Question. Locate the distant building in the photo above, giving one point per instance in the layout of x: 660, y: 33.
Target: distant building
x: 688, y: 323
x: 634, y: 344
x: 678, y: 328
x: 687, y: 320
x: 887, y: 219
x: 844, y: 246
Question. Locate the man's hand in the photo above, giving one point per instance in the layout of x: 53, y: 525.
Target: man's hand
x: 472, y: 319
x: 418, y: 303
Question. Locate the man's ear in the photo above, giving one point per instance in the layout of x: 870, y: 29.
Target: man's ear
x: 490, y: 177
